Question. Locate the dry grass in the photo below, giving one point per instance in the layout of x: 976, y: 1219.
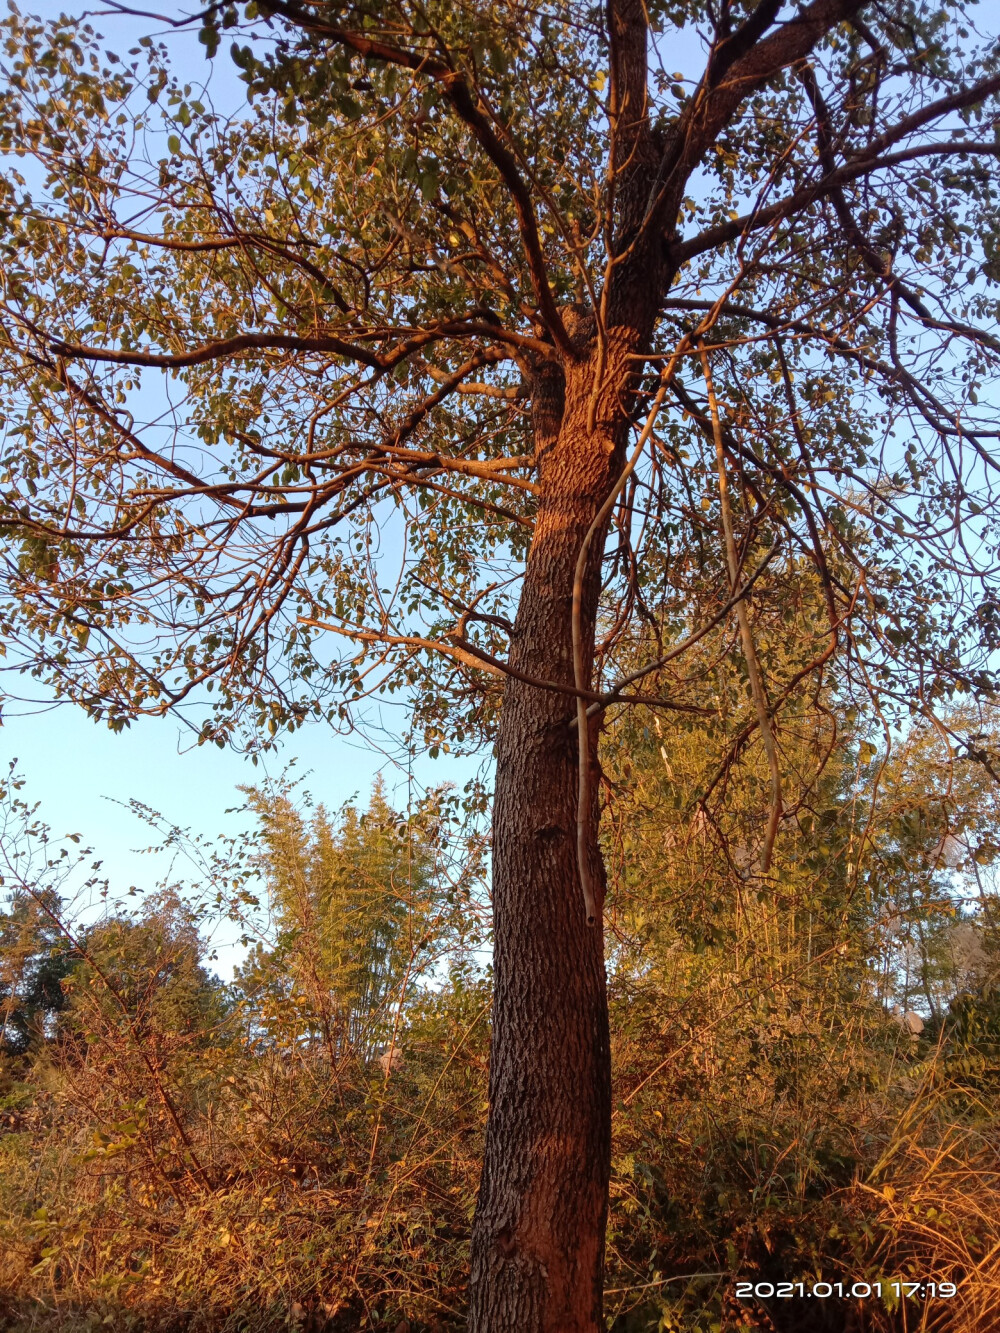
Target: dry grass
x: 933, y: 1205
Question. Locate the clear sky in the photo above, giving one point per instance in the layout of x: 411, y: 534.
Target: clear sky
x: 84, y: 776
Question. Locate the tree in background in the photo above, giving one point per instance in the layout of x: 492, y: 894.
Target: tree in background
x: 936, y: 845
x: 144, y: 1017
x: 774, y: 1113
x: 463, y: 289
x: 362, y: 910
x: 169, y: 1141
x: 35, y: 962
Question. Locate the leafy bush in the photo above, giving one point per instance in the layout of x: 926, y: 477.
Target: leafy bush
x: 301, y: 1146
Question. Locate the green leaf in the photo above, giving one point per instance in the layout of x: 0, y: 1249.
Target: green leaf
x: 209, y: 37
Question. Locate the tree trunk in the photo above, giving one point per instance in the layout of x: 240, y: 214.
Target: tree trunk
x: 538, y: 1237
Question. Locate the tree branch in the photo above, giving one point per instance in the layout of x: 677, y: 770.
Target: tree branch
x: 801, y: 199
x: 460, y: 96
x: 242, y: 342
x: 713, y: 105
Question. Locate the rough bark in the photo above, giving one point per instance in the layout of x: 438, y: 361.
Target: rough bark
x: 538, y: 1242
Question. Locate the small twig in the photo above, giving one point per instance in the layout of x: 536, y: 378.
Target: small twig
x: 461, y: 651
x: 645, y: 1286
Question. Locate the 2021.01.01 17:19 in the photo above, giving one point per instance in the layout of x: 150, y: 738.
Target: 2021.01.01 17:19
x: 824, y: 1290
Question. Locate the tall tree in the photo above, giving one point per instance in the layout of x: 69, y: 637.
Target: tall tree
x: 358, y: 906
x: 398, y: 327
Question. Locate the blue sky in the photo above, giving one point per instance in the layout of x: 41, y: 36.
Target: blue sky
x: 84, y: 776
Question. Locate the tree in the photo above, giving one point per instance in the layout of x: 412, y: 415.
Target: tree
x: 936, y: 854
x: 360, y: 914
x: 34, y: 962
x: 748, y: 1036
x: 463, y: 289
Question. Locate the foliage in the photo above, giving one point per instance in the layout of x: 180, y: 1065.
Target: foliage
x: 182, y: 1142
x: 774, y: 1118
x: 350, y: 296
x: 362, y: 913
x: 35, y: 961
x: 314, y: 1181
x: 340, y: 399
